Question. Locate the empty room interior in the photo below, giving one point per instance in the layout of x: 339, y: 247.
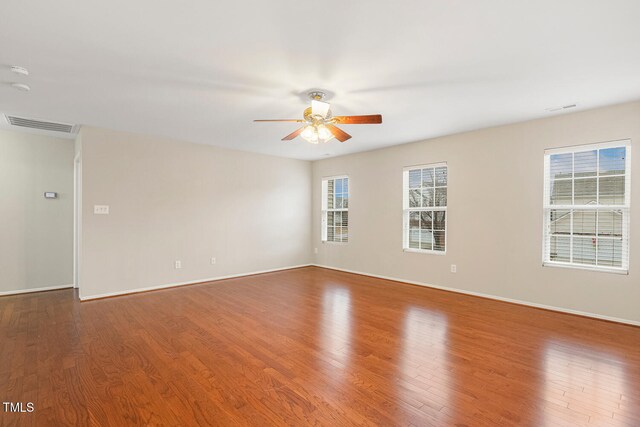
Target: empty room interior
x: 421, y: 213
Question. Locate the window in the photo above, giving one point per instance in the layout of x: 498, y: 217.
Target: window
x: 586, y: 206
x: 425, y: 208
x: 335, y: 209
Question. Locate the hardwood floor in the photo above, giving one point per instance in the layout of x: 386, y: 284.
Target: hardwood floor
x: 311, y: 347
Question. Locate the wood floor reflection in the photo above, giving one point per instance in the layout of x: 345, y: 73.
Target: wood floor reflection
x: 311, y: 347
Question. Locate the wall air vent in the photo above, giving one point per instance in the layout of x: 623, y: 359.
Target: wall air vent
x: 40, y: 124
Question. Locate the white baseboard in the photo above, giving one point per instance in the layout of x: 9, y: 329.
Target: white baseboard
x: 493, y: 297
x: 395, y: 279
x: 28, y: 291
x: 191, y: 282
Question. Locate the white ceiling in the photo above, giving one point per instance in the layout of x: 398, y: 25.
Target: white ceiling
x: 202, y: 70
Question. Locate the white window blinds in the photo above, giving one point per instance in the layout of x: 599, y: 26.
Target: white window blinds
x: 335, y: 209
x: 586, y: 206
x: 425, y: 208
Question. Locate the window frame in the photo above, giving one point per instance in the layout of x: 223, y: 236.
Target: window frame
x: 625, y: 208
x: 406, y: 209
x: 325, y: 209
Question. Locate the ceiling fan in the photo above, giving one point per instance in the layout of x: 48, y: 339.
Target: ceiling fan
x: 320, y: 123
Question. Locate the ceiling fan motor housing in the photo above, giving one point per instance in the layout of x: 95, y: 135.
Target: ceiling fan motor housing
x: 317, y: 95
x: 308, y: 115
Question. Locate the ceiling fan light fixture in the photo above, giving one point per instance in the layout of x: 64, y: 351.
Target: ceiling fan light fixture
x: 316, y: 133
x: 324, y: 134
x: 308, y: 133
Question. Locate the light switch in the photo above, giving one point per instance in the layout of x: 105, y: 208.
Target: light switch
x: 101, y: 209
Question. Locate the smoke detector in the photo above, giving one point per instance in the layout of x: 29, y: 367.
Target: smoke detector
x: 563, y: 107
x: 19, y: 70
x: 21, y: 86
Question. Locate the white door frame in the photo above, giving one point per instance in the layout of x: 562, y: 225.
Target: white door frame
x: 77, y: 218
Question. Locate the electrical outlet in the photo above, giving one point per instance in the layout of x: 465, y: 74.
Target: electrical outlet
x: 454, y: 269
x: 213, y: 260
x: 178, y: 264
x: 315, y: 250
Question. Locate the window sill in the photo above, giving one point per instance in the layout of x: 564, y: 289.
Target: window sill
x: 585, y: 267
x: 335, y: 243
x: 424, y: 251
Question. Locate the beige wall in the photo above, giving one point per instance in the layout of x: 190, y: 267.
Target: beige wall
x: 494, y: 214
x: 36, y: 234
x: 172, y: 200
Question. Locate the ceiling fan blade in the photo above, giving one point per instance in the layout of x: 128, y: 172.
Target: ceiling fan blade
x: 359, y: 120
x: 319, y: 108
x: 280, y: 120
x: 340, y: 135
x: 292, y: 135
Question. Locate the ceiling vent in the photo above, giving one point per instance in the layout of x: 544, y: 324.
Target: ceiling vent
x: 41, y: 125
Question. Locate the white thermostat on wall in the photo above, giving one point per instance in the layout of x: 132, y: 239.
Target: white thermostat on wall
x: 101, y: 209
x: 50, y: 195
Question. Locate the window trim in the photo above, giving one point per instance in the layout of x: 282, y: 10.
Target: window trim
x: 546, y: 206
x: 406, y: 209
x: 324, y: 208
